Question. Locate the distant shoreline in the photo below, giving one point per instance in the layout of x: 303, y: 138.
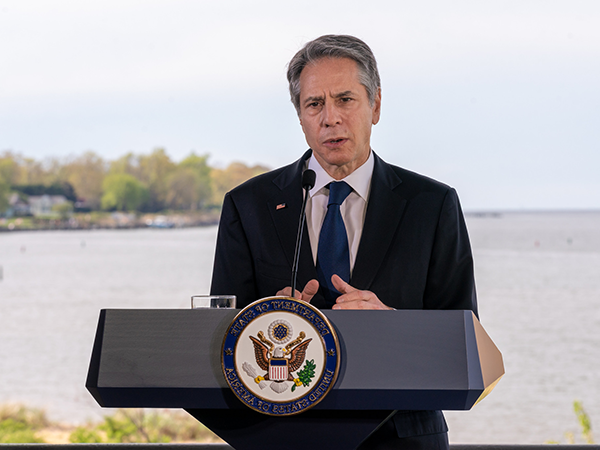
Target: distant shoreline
x: 112, y: 221
x: 187, y: 219
x: 500, y: 212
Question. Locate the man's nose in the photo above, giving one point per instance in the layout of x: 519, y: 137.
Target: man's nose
x: 330, y: 115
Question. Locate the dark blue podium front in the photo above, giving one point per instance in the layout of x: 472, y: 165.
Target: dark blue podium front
x: 391, y: 360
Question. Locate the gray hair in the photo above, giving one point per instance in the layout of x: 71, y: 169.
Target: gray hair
x: 335, y: 46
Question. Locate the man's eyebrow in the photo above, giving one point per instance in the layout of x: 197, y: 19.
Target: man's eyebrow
x: 343, y: 94
x: 321, y: 97
x: 317, y: 98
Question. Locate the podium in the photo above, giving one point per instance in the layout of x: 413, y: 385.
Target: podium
x: 390, y: 360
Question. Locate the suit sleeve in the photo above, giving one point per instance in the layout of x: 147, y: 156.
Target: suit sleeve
x: 450, y: 279
x: 233, y: 269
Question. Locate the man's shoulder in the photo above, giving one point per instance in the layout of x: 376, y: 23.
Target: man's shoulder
x: 412, y: 182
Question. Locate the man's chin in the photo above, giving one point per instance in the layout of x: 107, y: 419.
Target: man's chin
x: 334, y: 157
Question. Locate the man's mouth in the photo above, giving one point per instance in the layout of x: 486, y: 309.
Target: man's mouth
x: 335, y: 142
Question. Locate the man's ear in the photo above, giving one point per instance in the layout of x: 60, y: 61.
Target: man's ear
x: 377, y: 107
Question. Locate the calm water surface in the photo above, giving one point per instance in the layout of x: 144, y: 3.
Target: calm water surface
x: 538, y: 280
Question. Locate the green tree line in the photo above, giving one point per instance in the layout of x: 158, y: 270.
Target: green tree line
x: 134, y: 182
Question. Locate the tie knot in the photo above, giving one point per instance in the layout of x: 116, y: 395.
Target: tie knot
x: 338, y: 191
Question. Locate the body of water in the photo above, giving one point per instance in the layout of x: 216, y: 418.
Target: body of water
x: 538, y: 281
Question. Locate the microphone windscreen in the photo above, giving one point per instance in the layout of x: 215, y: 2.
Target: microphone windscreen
x: 308, y: 179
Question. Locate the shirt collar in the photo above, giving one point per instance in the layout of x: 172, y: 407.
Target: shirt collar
x: 359, y: 180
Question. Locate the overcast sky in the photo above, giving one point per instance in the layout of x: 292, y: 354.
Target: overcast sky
x: 500, y: 99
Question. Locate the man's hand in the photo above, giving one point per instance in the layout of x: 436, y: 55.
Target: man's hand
x: 352, y: 298
x: 311, y: 288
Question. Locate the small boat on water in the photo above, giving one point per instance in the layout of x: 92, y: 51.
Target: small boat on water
x: 160, y: 222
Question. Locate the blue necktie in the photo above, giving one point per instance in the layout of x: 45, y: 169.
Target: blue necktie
x: 333, y: 255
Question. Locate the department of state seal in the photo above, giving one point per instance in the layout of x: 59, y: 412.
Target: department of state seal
x: 280, y: 356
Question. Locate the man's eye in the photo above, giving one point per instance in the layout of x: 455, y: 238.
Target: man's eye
x: 313, y: 105
x: 345, y: 99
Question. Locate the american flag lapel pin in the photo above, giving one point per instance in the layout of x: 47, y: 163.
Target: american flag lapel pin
x: 280, y: 206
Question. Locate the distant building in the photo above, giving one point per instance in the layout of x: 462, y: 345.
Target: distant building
x: 17, y: 206
x: 41, y: 205
x: 83, y: 205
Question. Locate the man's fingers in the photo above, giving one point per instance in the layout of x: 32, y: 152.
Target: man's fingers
x: 286, y: 292
x: 311, y: 288
x: 341, y: 285
x: 353, y: 298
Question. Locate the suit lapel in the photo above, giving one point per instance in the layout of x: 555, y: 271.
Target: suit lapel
x: 288, y: 192
x: 384, y: 213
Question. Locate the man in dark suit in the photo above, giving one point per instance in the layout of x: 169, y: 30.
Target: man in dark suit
x: 406, y: 243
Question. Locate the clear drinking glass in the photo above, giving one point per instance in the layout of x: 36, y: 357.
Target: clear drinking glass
x: 213, y: 301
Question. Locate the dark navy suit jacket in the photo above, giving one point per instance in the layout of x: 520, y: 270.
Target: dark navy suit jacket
x: 414, y: 251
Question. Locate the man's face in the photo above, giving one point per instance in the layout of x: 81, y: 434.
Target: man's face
x: 336, y: 116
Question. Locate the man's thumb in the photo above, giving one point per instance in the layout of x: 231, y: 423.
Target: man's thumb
x: 341, y: 285
x: 311, y: 288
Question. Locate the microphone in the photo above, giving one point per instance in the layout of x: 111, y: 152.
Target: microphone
x: 308, y: 181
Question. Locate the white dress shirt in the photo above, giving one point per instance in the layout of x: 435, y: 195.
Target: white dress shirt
x: 353, y: 209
